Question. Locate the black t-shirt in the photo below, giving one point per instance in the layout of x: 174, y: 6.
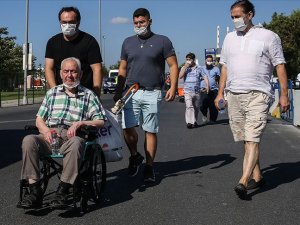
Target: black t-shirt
x: 84, y: 47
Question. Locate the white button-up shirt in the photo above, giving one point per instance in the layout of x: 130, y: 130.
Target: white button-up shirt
x: 250, y: 59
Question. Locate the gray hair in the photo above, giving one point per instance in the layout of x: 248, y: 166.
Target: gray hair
x: 72, y: 59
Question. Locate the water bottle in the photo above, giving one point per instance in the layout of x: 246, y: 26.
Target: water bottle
x: 221, y: 105
x: 55, y: 143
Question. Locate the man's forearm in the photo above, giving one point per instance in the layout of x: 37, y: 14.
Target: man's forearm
x: 182, y: 72
x: 97, y: 123
x: 282, y: 78
x: 50, y: 77
x: 174, y: 76
x: 41, y: 125
x: 97, y: 77
x: 222, y: 81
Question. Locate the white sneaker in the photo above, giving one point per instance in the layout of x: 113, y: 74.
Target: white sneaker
x: 204, y: 119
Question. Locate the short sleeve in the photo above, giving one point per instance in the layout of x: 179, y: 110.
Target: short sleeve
x: 168, y: 49
x: 44, y: 108
x: 49, y: 49
x: 124, y: 55
x: 95, y: 109
x: 94, y: 54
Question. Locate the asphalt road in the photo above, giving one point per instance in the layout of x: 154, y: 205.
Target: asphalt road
x: 196, y: 171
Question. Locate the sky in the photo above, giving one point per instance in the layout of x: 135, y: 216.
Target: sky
x: 191, y: 25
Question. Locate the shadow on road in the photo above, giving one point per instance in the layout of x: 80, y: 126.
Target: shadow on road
x: 278, y: 174
x: 11, y: 146
x: 120, y: 187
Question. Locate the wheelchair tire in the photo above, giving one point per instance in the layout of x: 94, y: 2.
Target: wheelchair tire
x: 98, y: 170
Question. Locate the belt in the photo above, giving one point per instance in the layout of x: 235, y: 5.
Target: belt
x: 63, y: 126
x: 149, y: 88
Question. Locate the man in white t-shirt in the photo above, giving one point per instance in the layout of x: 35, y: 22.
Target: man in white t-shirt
x: 249, y: 56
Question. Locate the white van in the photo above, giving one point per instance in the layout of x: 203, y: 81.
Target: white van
x: 113, y: 73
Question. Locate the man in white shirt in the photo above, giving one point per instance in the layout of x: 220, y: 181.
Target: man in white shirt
x: 249, y: 56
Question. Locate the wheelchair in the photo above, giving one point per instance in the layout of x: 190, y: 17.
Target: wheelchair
x: 91, y: 180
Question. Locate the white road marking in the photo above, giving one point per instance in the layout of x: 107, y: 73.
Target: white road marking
x: 16, y: 121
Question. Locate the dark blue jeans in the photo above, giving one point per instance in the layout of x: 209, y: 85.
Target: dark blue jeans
x: 207, y: 103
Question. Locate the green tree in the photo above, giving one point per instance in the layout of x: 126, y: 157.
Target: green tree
x: 104, y: 71
x: 10, y: 59
x: 115, y: 66
x: 288, y: 29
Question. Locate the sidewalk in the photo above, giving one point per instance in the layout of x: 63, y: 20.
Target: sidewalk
x: 14, y: 102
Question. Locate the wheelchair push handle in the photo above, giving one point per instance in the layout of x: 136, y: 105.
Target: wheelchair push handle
x: 133, y: 88
x: 119, y: 105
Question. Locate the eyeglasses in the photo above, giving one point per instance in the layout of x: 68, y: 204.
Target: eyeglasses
x: 73, y: 72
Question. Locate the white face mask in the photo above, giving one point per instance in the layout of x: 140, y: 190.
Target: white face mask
x: 141, y: 31
x: 239, y: 24
x: 68, y: 29
x: 74, y: 85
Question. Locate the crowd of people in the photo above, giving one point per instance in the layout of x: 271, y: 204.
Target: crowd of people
x: 73, y: 71
x: 200, y: 90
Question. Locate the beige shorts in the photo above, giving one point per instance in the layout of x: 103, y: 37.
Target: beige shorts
x: 247, y: 115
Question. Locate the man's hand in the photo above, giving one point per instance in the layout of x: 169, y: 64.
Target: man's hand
x: 170, y: 95
x: 217, y: 99
x: 284, y: 103
x: 119, y: 88
x: 207, y: 90
x: 72, y: 129
x: 47, y: 136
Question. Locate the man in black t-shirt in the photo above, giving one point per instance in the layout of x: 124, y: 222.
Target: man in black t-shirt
x: 73, y: 43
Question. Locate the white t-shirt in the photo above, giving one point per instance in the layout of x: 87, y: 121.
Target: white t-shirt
x: 250, y: 59
x: 298, y: 77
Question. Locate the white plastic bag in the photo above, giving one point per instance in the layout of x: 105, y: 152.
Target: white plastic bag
x: 111, y: 138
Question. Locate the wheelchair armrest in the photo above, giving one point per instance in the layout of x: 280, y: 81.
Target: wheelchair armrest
x: 89, y: 129
x: 31, y: 128
x: 88, y: 132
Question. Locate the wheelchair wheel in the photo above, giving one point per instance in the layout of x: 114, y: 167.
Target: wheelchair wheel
x: 98, y: 170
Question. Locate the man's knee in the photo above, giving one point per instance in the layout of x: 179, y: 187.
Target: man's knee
x: 29, y: 142
x: 77, y: 141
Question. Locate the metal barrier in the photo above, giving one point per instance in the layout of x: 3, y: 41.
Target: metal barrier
x: 13, y: 95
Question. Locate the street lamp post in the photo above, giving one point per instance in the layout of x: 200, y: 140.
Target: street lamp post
x: 100, y: 29
x: 26, y: 55
x: 104, y: 49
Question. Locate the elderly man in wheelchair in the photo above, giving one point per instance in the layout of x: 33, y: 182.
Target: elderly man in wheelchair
x: 66, y: 108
